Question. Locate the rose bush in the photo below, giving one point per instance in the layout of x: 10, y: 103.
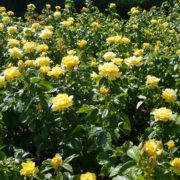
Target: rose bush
x: 90, y: 96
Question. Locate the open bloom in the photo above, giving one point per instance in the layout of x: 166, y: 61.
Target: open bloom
x: 42, y: 61
x: 88, y: 176
x: 152, y: 81
x: 56, y: 71
x: 28, y: 168
x: 171, y: 144
x: 169, y: 95
x: 133, y: 61
x: 56, y: 161
x: 11, y: 73
x: 109, y: 55
x: 109, y: 70
x: 82, y: 43
x: 70, y: 61
x: 153, y: 147
x: 62, y: 102
x: 46, y: 34
x: 15, y: 52
x: 175, y: 162
x: 163, y: 114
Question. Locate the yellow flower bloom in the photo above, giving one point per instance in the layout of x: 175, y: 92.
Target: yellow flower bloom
x: 13, y: 42
x: 48, y: 6
x: 171, y: 144
x: 28, y: 168
x: 29, y: 47
x: 15, y: 52
x: 138, y: 52
x: 169, y: 95
x: 88, y: 176
x: 43, y: 61
x: 71, y: 52
x: 152, y: 81
x: 20, y: 64
x: 117, y: 61
x: 57, y: 7
x: 70, y: 61
x: 109, y: 55
x: 56, y: 161
x: 6, y: 20
x: 146, y: 45
x: 27, y: 31
x: 35, y: 25
x: 95, y: 25
x: 154, y: 21
x: 126, y: 40
x: 11, y: 73
x: 30, y: 63
x: 114, y: 39
x: 65, y: 23
x: 103, y: 90
x: 31, y: 7
x: 45, y: 69
x: 2, y: 81
x: 133, y: 61
x: 162, y: 114
x: 46, y: 34
x: 56, y: 72
x: 12, y: 30
x: 165, y: 25
x: 94, y: 75
x: 42, y: 47
x: 57, y: 14
x: 134, y: 10
x: 109, y: 70
x: 112, y: 6
x: 62, y: 102
x: 153, y: 147
x: 175, y: 162
x: 134, y: 26
x: 82, y: 43
x: 1, y: 26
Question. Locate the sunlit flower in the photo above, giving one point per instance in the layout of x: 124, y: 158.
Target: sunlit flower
x: 169, y: 95
x: 62, y: 102
x: 109, y: 55
x: 11, y: 73
x: 43, y: 61
x: 109, y: 70
x: 12, y: 30
x: 171, y: 144
x: 103, y: 90
x: 13, y: 42
x: 152, y: 81
x: 56, y: 161
x: 70, y: 61
x: 163, y: 114
x: 56, y: 71
x: 57, y: 14
x: 45, y: 69
x: 28, y: 168
x: 133, y: 61
x: 15, y: 52
x: 46, y: 34
x: 88, y: 176
x: 117, y: 61
x: 42, y: 47
x: 82, y: 43
x: 29, y: 47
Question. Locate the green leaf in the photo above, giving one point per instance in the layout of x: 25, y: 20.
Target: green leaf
x: 67, y: 167
x: 70, y: 158
x: 120, y: 178
x: 134, y: 153
x: 126, y: 166
x: 115, y: 171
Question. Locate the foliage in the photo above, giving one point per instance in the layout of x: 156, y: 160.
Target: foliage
x: 94, y: 93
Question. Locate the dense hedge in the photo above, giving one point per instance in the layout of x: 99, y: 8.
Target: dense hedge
x: 19, y: 6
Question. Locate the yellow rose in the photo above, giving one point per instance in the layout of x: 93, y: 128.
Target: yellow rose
x: 11, y: 73
x: 57, y: 7
x: 2, y: 81
x: 71, y: 52
x: 62, y: 102
x: 42, y: 61
x: 6, y: 20
x: 56, y: 72
x: 95, y: 25
x: 152, y: 81
x: 48, y: 6
x: 31, y: 7
x: 109, y: 55
x: 165, y: 25
x: 126, y: 40
x: 171, y: 144
x: 46, y: 34
x: 134, y: 26
x: 114, y: 39
x: 15, y: 52
x: 70, y: 61
x: 13, y: 42
x: 109, y: 70
x: 154, y: 21
x: 175, y: 162
x: 138, y: 52
x: 28, y: 168
x: 117, y: 61
x: 29, y: 47
x: 88, y: 176
x: 1, y: 26
x: 153, y: 147
x: 42, y: 47
x: 169, y: 95
x: 146, y: 45
x: 112, y: 6
x: 30, y: 63
x: 133, y: 61
x: 103, y: 90
x: 56, y: 161
x: 35, y: 25
x: 162, y: 114
x: 82, y: 43
x: 12, y: 30
x: 65, y: 23
x: 45, y: 69
x: 57, y: 14
x: 134, y: 10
